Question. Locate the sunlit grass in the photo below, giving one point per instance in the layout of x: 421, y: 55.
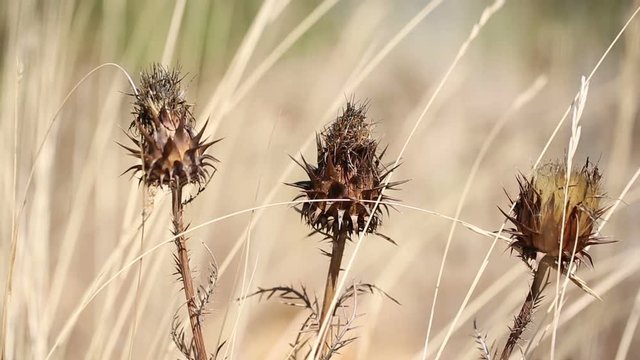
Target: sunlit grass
x: 471, y: 112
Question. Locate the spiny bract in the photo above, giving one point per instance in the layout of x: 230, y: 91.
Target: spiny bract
x: 172, y: 153
x: 538, y: 212
x: 348, y: 168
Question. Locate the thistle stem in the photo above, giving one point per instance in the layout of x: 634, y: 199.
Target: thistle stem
x: 185, y: 272
x: 338, y: 243
x: 524, y: 317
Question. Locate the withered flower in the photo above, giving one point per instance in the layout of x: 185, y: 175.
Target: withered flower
x: 342, y: 188
x: 538, y: 212
x: 172, y: 153
x: 548, y: 210
x: 349, y: 169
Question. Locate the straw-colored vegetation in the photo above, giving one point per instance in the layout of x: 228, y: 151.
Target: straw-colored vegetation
x: 473, y: 100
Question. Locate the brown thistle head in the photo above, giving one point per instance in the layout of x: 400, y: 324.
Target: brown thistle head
x: 538, y: 212
x: 349, y: 168
x: 172, y: 153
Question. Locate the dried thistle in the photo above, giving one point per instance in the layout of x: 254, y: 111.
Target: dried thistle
x: 349, y: 169
x: 172, y: 152
x: 546, y: 211
x: 342, y: 188
x: 172, y: 155
x: 538, y: 213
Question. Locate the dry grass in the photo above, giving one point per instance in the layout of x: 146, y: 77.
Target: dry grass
x: 467, y: 97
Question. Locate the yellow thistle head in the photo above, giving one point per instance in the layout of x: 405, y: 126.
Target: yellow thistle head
x: 538, y: 212
x: 348, y: 168
x: 171, y: 151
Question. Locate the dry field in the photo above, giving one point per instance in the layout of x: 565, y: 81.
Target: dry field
x: 467, y: 95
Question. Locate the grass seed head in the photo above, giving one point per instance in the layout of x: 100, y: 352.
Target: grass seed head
x: 172, y: 152
x: 538, y: 212
x: 348, y: 168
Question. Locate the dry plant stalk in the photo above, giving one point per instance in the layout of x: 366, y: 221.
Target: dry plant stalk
x: 173, y: 155
x: 538, y: 219
x: 481, y: 341
x: 533, y: 299
x: 348, y: 177
x: 338, y: 336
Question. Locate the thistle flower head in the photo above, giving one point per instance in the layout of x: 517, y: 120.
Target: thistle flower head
x: 349, y: 169
x: 538, y: 212
x: 163, y: 132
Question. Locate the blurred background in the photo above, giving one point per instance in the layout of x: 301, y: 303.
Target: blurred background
x: 269, y: 75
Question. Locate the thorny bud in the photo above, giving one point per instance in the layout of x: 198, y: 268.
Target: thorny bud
x: 348, y: 168
x: 172, y: 152
x: 538, y: 213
